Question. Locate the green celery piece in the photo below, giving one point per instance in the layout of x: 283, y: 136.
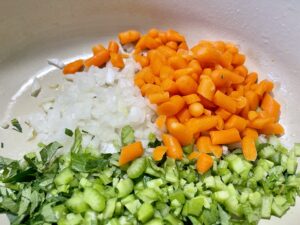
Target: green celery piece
x: 237, y: 165
x: 255, y: 199
x: 195, y: 205
x: 110, y: 208
x: 267, y: 152
x: 76, y: 203
x: 60, y: 211
x: 129, y: 198
x: 227, y: 177
x: 274, y: 141
x: 119, y: 209
x: 145, y: 212
x: 296, y: 148
x: 280, y: 200
x: 188, y: 148
x: 137, y: 168
x: 259, y: 173
x: 232, y: 205
x: 90, y: 218
x: 125, y: 187
x: 127, y: 135
x: 95, y: 200
x: 224, y: 216
x: 66, y: 176
x: 155, y: 221
x: 252, y: 215
x: 148, y: 195
x: 209, y: 182
x: 71, y: 219
x: 178, y: 195
x: 155, y: 183
x: 266, y: 206
x: 172, y: 220
x: 190, y: 190
x: 194, y: 220
x: 279, y: 211
x: 221, y: 196
x: 291, y: 163
x: 133, y: 206
x: 210, y: 216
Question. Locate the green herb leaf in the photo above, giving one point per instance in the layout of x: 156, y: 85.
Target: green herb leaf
x: 76, y: 147
x: 16, y: 125
x: 48, y: 152
x: 69, y: 132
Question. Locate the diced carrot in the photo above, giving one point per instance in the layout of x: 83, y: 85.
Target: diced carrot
x: 203, y: 123
x: 158, y: 98
x: 183, y: 72
x: 148, y: 89
x: 166, y: 51
x: 194, y: 64
x: 172, y: 44
x: 260, y: 123
x: 204, y: 163
x: 98, y: 48
x: 225, y: 102
x: 203, y: 144
x: 238, y: 59
x: 249, y: 149
x: 174, y: 149
x: 159, y: 152
x: 196, y: 109
x: 193, y: 155
x: 251, y: 78
x: 98, y: 60
x: 272, y: 128
x: 130, y: 152
x: 270, y: 105
x: 171, y: 107
x: 263, y: 87
x: 142, y: 60
x: 252, y: 115
x: 116, y: 60
x: 253, y: 99
x: 225, y: 77
x: 206, y: 55
x: 166, y: 72
x: 113, y: 47
x: 161, y: 121
x: 181, y: 132
x: 216, y: 150
x: 186, y: 85
x: 73, y: 67
x: 228, y: 136
x: 172, y: 35
x: 177, y: 62
x: 129, y: 36
x: 236, y: 122
x: 250, y: 133
x: 169, y: 86
x: 223, y: 113
x: 184, y: 115
x: 206, y: 88
x: 190, y: 99
x: 241, y: 70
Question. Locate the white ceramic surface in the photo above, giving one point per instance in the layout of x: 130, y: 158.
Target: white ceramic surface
x: 32, y: 31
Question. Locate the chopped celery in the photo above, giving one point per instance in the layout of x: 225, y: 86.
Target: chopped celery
x: 64, y: 177
x: 266, y: 206
x: 76, y: 203
x: 95, y: 200
x: 110, y: 208
x: 125, y: 187
x: 296, y: 148
x: 194, y: 206
x: 136, y: 168
x: 145, y: 212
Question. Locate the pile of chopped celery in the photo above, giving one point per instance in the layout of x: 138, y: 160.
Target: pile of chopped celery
x: 85, y: 187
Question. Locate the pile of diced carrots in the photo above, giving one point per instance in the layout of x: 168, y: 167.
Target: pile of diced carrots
x: 204, y: 94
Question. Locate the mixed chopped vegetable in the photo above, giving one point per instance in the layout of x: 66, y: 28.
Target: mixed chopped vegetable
x: 86, y: 187
x: 203, y: 93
